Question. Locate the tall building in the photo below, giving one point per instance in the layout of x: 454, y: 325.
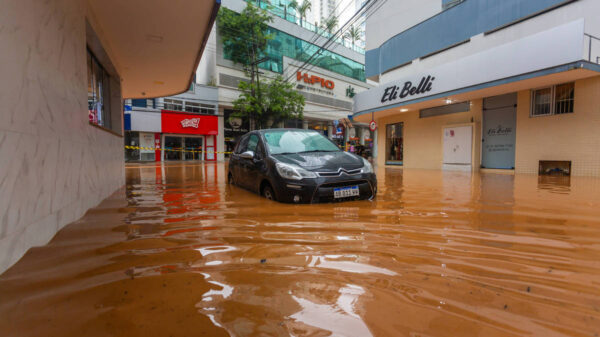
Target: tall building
x: 328, y: 82
x: 485, y: 85
x: 327, y: 8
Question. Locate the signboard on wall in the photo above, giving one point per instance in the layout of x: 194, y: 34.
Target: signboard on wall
x: 185, y: 123
x: 531, y: 53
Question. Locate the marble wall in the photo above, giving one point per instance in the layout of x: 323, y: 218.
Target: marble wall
x: 53, y: 164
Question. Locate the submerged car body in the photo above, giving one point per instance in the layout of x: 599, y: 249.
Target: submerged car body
x: 299, y: 166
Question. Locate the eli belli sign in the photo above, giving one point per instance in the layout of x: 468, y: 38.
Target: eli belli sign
x: 394, y: 92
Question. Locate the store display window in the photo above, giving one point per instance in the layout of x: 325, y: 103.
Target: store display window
x: 394, y: 144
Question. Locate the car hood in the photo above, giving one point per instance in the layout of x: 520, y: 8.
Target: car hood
x: 322, y: 161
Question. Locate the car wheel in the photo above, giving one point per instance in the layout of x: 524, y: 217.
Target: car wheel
x: 268, y: 192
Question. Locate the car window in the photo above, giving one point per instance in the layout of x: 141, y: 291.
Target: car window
x: 242, y: 145
x: 295, y: 141
x: 260, y: 151
x: 252, y: 142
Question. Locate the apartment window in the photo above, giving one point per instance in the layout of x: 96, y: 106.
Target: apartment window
x: 196, y: 107
x: 173, y: 104
x: 139, y: 103
x: 192, y: 107
x: 98, y: 92
x: 554, y: 100
x: 208, y: 109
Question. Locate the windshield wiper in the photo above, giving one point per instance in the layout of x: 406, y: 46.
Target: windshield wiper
x: 318, y: 151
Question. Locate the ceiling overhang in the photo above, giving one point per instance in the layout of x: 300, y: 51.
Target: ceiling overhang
x: 155, y: 45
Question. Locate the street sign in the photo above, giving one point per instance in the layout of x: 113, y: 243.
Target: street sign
x: 373, y: 126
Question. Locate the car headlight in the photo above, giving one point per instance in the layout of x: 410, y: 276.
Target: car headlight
x: 293, y: 172
x: 367, y: 168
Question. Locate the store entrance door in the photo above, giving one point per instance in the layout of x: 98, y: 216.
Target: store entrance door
x: 173, y: 148
x: 499, y: 132
x: 193, y: 144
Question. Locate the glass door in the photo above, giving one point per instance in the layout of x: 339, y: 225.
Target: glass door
x: 193, y: 144
x: 173, y: 147
x: 394, y: 144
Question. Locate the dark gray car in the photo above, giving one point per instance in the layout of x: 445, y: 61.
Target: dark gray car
x: 299, y: 166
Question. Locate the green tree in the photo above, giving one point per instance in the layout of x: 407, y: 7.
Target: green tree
x: 269, y: 102
x: 330, y: 24
x: 245, y: 35
x: 305, y: 7
x: 353, y: 34
x: 293, y: 5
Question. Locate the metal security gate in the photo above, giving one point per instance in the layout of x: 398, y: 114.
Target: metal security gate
x: 499, y: 132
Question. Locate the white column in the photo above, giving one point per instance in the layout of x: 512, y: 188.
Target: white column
x: 305, y: 124
x: 220, y: 146
x: 374, y: 154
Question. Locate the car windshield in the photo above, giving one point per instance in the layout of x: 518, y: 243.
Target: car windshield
x: 296, y: 141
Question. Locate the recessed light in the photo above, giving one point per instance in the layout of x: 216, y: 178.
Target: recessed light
x: 448, y: 101
x: 403, y: 110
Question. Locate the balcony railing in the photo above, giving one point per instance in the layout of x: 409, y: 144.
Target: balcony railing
x: 593, y: 48
x: 289, y: 16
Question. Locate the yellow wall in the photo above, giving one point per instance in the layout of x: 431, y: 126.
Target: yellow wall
x: 574, y: 137
x: 423, y: 136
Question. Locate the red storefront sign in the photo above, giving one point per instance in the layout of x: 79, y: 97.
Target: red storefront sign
x: 186, y: 123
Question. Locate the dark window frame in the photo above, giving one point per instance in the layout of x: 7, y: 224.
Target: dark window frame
x: 553, y: 104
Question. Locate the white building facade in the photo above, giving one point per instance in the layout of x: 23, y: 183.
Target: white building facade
x: 485, y: 85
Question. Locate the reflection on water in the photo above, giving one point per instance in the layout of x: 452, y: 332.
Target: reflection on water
x: 180, y: 253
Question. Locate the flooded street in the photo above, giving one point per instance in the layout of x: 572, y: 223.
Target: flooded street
x: 181, y: 253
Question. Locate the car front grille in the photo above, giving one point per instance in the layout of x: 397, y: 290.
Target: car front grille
x: 344, y: 183
x: 339, y: 173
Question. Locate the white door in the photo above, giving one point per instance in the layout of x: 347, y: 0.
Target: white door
x: 458, y: 145
x: 147, y: 145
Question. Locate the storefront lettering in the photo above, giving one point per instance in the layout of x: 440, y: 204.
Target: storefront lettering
x: 315, y: 79
x: 394, y: 92
x: 190, y: 123
x: 499, y: 131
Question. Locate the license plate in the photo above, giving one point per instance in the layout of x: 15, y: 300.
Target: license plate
x: 344, y: 192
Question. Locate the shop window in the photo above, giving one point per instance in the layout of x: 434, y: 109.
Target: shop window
x: 98, y: 92
x: 173, y: 104
x: 132, y: 138
x: 554, y: 100
x: 394, y: 144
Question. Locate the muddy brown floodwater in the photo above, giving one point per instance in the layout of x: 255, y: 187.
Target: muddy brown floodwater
x: 180, y: 253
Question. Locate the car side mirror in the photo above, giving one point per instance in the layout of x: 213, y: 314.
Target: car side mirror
x: 247, y: 155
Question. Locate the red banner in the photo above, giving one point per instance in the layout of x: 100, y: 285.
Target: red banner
x: 193, y: 124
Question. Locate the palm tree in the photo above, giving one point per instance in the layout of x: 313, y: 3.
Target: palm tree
x: 293, y: 5
x: 330, y: 24
x: 353, y: 34
x: 303, y: 9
